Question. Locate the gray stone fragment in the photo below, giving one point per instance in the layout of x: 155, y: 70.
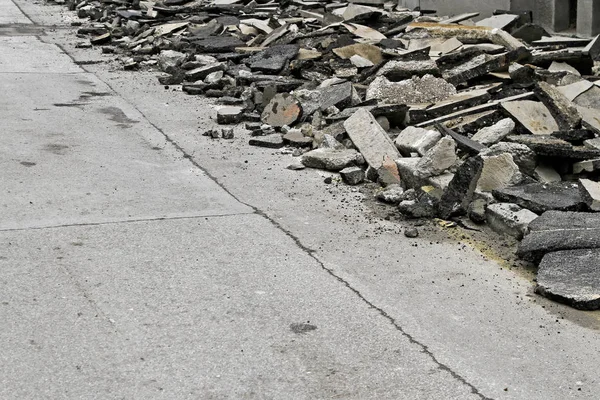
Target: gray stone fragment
x: 590, y: 191
x: 273, y: 141
x: 416, y: 140
x: 229, y: 115
x: 563, y: 67
x: 399, y: 70
x: 218, y: 44
x: 498, y: 172
x: 540, y: 197
x: 438, y: 159
x: 586, y: 166
x: 533, y: 115
x: 283, y: 109
x: 560, y: 230
x: 411, y: 232
x: 424, y: 208
x: 273, y: 59
x: 352, y: 175
x: 392, y: 194
x: 476, y: 211
x: 296, y: 166
x: 427, y: 89
x: 227, y: 133
x: 169, y: 60
x: 464, y: 143
x: 493, y: 134
x: 201, y: 73
x: 459, y: 193
x: 547, y: 145
x: 331, y: 159
x: 563, y: 111
x: 295, y: 138
x: 409, y: 175
x: 523, y: 156
x: 370, y: 138
x: 509, y: 219
x: 545, y: 173
x: 571, y: 277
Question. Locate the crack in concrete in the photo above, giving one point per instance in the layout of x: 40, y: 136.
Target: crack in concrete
x: 311, y: 252
x: 126, y: 221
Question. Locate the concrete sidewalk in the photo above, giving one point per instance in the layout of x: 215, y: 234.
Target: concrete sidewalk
x: 125, y: 272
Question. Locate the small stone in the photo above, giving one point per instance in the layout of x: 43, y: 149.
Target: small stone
x: 493, y: 134
x: 229, y: 115
x: 170, y: 60
x: 509, y: 219
x: 523, y: 156
x: 476, y: 211
x: 411, y: 232
x: 227, y: 133
x: 392, y: 194
x: 328, y: 180
x: 352, y: 175
x: 273, y: 141
x: 283, y: 109
x: 296, y: 166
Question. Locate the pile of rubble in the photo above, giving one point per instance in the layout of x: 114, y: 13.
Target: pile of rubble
x: 495, y: 120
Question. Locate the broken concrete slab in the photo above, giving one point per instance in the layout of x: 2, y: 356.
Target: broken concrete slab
x: 560, y: 230
x: 564, y: 112
x: 352, y: 175
x: 229, y: 115
x: 332, y: 159
x: 438, y: 158
x: 509, y: 219
x: 427, y: 89
x: 169, y: 60
x: 273, y: 59
x: 534, y: 116
x: 545, y: 173
x: 523, y: 156
x: 590, y: 191
x: 546, y: 145
x: 365, y: 50
x: 273, y: 141
x: 571, y: 277
x: 459, y: 193
x: 392, y: 194
x: 399, y: 70
x: 296, y: 138
x: 501, y: 21
x: 498, y: 172
x: 370, y: 138
x: 540, y: 197
x: 563, y: 67
x: 416, y: 140
x: 201, y: 73
x: 493, y: 134
x: 283, y: 109
x: 586, y: 166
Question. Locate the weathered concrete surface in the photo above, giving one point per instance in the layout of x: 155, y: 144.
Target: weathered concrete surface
x: 556, y: 230
x: 571, y: 277
x: 540, y: 197
x: 472, y: 296
x: 509, y: 219
x: 370, y: 138
x: 534, y: 116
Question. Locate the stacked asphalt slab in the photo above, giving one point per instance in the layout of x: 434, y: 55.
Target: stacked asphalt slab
x: 496, y: 120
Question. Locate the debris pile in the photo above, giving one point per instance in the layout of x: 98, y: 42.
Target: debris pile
x: 497, y: 120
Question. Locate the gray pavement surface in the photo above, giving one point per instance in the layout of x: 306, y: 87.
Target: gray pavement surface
x: 139, y: 259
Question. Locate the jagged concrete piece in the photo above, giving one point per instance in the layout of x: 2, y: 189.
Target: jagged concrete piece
x: 563, y: 111
x: 532, y: 115
x: 509, y: 219
x: 571, y: 277
x: 370, y: 138
x: 498, y: 172
x: 439, y: 158
x: 416, y: 140
x: 493, y: 134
